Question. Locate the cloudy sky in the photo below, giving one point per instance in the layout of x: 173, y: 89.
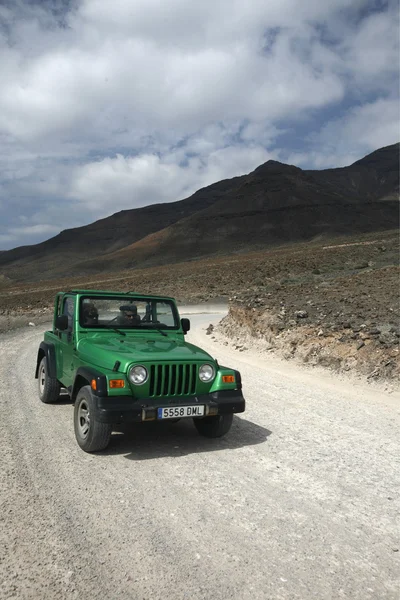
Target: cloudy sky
x: 107, y: 105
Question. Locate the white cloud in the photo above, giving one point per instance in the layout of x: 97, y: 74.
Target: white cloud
x: 153, y: 63
x: 6, y: 239
x: 372, y: 54
x: 39, y: 231
x: 188, y: 23
x: 148, y: 178
x: 137, y: 101
x: 369, y: 126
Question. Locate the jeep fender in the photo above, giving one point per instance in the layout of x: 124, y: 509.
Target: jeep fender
x: 47, y: 349
x: 85, y: 376
x: 238, y: 377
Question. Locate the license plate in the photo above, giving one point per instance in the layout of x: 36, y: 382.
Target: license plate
x: 176, y: 412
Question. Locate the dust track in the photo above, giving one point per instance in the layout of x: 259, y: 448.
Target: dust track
x: 299, y: 501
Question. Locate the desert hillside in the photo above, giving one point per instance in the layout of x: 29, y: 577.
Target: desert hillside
x: 275, y: 204
x: 334, y: 304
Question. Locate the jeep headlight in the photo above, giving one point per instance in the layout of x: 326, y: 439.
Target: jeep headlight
x: 138, y: 375
x: 206, y: 373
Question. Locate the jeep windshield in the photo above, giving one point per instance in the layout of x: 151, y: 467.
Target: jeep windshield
x: 110, y: 312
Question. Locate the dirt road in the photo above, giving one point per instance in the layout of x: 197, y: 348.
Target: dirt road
x: 300, y: 500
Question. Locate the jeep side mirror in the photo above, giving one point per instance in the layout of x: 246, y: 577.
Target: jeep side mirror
x: 61, y: 322
x: 185, y: 325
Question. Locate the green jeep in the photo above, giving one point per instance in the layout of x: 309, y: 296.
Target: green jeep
x: 122, y: 357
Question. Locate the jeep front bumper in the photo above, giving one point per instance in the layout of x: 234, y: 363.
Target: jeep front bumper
x: 126, y: 409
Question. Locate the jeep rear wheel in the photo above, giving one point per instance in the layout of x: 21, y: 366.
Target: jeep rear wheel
x: 49, y: 387
x: 213, y: 427
x: 90, y: 434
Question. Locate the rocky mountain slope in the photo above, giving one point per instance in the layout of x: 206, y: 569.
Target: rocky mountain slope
x: 61, y: 253
x: 273, y: 205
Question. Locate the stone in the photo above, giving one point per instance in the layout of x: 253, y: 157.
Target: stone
x: 301, y: 314
x: 386, y: 338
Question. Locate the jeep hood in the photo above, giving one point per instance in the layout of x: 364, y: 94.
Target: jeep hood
x: 103, y: 351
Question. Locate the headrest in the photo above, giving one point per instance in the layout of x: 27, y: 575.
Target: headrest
x: 129, y: 308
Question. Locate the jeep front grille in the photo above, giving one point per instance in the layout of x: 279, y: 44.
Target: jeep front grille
x: 173, y: 380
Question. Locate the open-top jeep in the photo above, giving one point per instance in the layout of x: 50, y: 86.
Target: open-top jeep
x: 122, y: 357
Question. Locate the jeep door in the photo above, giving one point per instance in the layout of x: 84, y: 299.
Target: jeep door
x: 67, y: 342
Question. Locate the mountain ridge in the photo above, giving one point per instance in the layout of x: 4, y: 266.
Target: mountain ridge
x: 275, y: 203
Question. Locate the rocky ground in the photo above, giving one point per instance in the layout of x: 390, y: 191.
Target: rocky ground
x: 346, y: 324
x: 335, y: 304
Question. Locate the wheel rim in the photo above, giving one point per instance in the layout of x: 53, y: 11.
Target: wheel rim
x: 42, y: 378
x: 83, y: 419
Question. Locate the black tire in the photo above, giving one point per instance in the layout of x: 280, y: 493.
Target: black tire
x: 213, y: 427
x: 49, y: 388
x: 90, y: 434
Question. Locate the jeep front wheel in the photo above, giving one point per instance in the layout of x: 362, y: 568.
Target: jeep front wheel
x: 49, y: 387
x: 90, y: 434
x: 213, y: 427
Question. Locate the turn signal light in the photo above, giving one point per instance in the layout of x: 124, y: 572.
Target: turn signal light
x: 93, y: 384
x: 228, y: 378
x: 116, y: 383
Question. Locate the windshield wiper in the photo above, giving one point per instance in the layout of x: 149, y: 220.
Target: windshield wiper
x: 114, y: 328
x: 161, y: 331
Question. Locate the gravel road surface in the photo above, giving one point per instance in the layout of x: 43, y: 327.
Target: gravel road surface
x: 300, y: 500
